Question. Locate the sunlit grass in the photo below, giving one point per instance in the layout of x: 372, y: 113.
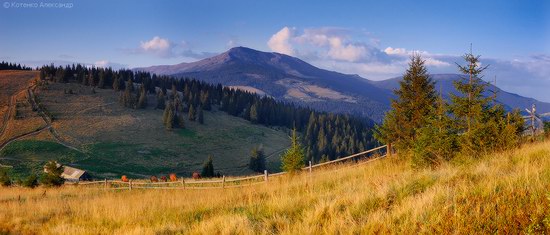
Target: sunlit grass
x: 501, y: 193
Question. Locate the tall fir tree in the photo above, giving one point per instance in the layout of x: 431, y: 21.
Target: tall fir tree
x: 416, y: 99
x: 208, y: 168
x: 201, y: 115
x: 257, y: 160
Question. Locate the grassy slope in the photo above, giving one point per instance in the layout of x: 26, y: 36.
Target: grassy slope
x: 120, y: 141
x: 501, y: 193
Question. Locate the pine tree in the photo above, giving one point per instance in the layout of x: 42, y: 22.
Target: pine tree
x: 293, y: 159
x: 101, y: 83
x: 254, y: 113
x: 161, y: 100
x: 437, y: 141
x: 470, y: 107
x: 192, y: 114
x: 208, y: 168
x: 257, y: 160
x: 168, y: 116
x: 142, y: 101
x: 415, y: 102
x: 201, y: 115
x: 116, y: 83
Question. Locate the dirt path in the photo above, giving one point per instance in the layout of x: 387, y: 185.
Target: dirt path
x: 7, y: 115
x: 48, y: 122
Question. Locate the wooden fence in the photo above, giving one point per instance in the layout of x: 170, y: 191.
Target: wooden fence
x: 182, y: 183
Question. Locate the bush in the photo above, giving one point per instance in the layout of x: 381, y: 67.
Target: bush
x: 5, y: 179
x: 30, y: 182
x: 52, y: 175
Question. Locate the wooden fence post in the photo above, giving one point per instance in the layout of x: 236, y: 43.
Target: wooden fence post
x: 265, y: 175
x: 182, y: 182
x: 388, y: 150
x: 223, y: 182
x: 130, y: 184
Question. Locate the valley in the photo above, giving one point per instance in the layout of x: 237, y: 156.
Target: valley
x: 110, y: 140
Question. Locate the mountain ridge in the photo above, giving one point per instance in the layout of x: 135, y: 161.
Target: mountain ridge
x: 292, y: 79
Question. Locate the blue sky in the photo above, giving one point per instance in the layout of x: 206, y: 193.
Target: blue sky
x: 369, y: 38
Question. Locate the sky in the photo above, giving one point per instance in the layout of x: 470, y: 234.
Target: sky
x: 371, y: 38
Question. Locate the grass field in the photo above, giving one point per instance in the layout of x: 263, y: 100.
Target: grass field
x: 505, y: 193
x: 117, y: 141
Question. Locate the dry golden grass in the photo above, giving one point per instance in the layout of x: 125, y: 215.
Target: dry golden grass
x: 500, y: 193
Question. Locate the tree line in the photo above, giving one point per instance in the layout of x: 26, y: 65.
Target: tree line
x: 13, y: 66
x: 431, y: 130
x: 326, y: 135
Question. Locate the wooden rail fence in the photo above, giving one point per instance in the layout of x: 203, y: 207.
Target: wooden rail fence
x: 224, y: 182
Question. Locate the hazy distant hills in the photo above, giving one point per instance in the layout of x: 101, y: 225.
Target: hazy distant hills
x: 444, y: 83
x: 291, y: 79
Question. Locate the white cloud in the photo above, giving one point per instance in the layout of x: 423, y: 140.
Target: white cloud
x: 396, y: 51
x: 279, y: 42
x: 158, y: 46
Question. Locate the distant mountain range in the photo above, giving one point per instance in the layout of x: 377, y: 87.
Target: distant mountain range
x: 291, y: 79
x: 444, y: 84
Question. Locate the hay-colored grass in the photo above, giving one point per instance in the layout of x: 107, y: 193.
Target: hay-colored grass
x: 500, y: 193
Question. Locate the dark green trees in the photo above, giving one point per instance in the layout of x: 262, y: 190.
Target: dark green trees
x: 5, y: 179
x: 161, y: 100
x: 483, y: 125
x: 142, y: 100
x: 208, y: 168
x: 434, y: 131
x: 52, y: 174
x: 257, y: 160
x: 293, y: 159
x: 201, y: 115
x: 192, y: 113
x: 415, y: 102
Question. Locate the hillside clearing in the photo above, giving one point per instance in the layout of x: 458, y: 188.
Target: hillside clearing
x: 501, y: 193
x: 120, y: 141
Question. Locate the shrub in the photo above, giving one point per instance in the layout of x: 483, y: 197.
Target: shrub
x: 52, y: 175
x: 5, y: 179
x: 30, y: 182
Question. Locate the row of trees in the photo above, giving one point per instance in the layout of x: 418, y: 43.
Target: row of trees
x: 12, y: 66
x: 422, y: 124
x: 327, y: 136
x: 51, y: 177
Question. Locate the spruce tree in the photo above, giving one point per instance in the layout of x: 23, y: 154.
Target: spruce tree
x: 192, y: 114
x: 415, y: 102
x: 208, y: 168
x: 293, y: 159
x: 257, y: 160
x: 161, y: 100
x: 470, y: 108
x: 201, y: 115
x: 142, y: 101
x: 254, y: 113
x: 437, y: 141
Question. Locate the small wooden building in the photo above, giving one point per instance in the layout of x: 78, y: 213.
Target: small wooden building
x: 71, y: 174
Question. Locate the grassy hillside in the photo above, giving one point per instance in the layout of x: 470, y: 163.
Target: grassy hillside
x: 111, y: 140
x: 502, y: 193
